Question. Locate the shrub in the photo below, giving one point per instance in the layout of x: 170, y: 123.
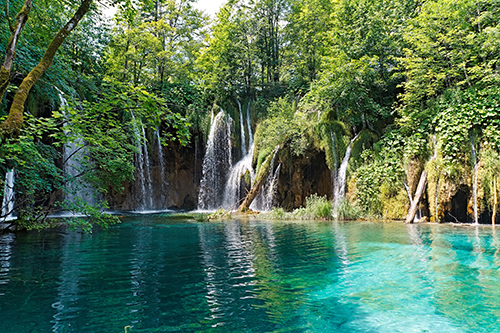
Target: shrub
x: 347, y: 211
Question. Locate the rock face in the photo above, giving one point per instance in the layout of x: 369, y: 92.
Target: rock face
x: 174, y: 187
x: 304, y: 176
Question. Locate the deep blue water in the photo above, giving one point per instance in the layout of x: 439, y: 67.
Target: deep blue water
x: 158, y: 274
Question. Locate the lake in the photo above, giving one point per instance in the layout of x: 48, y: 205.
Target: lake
x: 171, y: 274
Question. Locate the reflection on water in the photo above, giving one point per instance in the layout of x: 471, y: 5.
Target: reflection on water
x: 156, y: 274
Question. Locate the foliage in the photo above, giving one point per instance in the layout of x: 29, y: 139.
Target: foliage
x: 34, y: 162
x: 157, y: 44
x: 317, y: 208
x: 488, y: 175
x: 315, y: 71
x: 220, y: 214
x: 107, y: 133
x: 358, y: 78
x: 376, y: 180
x: 284, y: 127
x: 450, y: 44
x: 464, y: 112
x: 345, y: 210
x: 111, y: 131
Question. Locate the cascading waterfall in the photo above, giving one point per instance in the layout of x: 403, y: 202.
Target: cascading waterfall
x: 335, y: 161
x: 217, y: 162
x: 339, y: 188
x: 265, y: 200
x: 162, y: 165
x: 143, y: 167
x: 8, y: 196
x: 73, y: 153
x: 272, y: 189
x: 436, y: 196
x: 242, y: 131
x: 249, y: 127
x: 474, y: 178
x: 237, y: 182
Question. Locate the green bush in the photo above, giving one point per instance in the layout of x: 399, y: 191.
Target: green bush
x: 347, y: 211
x: 220, y: 214
x: 317, y: 208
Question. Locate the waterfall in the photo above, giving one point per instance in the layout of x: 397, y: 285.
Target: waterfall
x: 242, y: 131
x: 265, y: 200
x: 143, y: 167
x: 249, y: 127
x: 474, y: 178
x: 436, y: 196
x: 162, y: 167
x: 73, y: 154
x: 272, y: 189
x: 335, y: 162
x: 236, y: 185
x: 217, y: 162
x: 339, y: 190
x: 8, y: 196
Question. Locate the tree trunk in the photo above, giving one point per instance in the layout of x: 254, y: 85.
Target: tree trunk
x: 418, y: 195
x: 10, y: 51
x: 15, y: 119
x: 259, y: 182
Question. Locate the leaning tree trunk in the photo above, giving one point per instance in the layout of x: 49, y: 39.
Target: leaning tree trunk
x: 418, y: 195
x: 259, y: 182
x: 10, y: 51
x: 15, y: 119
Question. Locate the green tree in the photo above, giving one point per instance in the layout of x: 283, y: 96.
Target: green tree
x: 158, y: 45
x: 450, y: 44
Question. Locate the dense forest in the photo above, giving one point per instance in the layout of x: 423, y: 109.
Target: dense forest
x: 408, y: 88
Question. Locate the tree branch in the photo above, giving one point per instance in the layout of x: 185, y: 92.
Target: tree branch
x: 15, y: 119
x: 10, y: 51
x: 7, y: 14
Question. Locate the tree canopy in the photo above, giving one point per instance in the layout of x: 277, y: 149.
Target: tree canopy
x: 316, y: 71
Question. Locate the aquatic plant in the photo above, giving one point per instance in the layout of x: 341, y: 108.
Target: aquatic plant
x: 220, y: 214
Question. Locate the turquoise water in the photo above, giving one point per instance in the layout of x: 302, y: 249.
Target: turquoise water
x: 168, y: 275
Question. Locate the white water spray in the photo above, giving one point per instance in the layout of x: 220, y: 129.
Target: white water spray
x: 143, y: 167
x: 242, y: 131
x: 265, y: 200
x: 474, y: 178
x: 236, y: 182
x: 217, y: 163
x: 73, y: 153
x: 8, y: 196
x: 162, y: 166
x: 339, y: 188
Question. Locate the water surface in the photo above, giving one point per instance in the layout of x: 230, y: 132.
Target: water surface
x: 159, y: 274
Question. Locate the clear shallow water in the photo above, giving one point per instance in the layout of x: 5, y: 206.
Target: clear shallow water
x: 164, y: 275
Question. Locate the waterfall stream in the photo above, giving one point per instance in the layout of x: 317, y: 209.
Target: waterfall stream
x: 217, y: 162
x: 474, y: 178
x: 242, y: 131
x: 237, y: 182
x: 265, y: 200
x: 163, y: 184
x: 8, y: 196
x: 144, y: 198
x: 235, y: 185
x: 249, y: 127
x: 74, y: 153
x: 339, y: 188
